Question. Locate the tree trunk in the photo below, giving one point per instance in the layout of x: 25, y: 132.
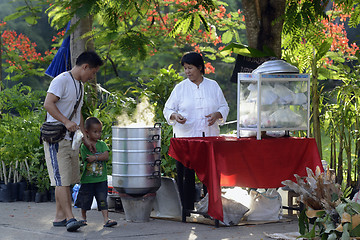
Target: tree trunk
x: 314, y: 92
x: 316, y: 114
x: 78, y: 44
x: 263, y: 23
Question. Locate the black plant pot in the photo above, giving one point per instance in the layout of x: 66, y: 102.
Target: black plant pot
x: 33, y: 195
x: 52, y: 194
x: 21, y: 190
x: 27, y: 196
x: 44, y: 196
x: 38, y: 197
x: 5, y: 193
x: 14, y: 191
x: 41, y: 197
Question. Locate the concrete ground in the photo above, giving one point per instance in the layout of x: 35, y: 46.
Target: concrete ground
x: 30, y: 220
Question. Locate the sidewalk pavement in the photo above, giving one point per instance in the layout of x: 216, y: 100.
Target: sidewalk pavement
x: 30, y: 220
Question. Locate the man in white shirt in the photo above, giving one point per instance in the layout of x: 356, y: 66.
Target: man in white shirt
x: 61, y: 160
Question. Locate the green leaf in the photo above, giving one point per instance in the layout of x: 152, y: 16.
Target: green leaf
x: 332, y: 236
x: 345, y: 235
x: 31, y: 20
x: 211, y: 56
x: 14, y: 16
x: 355, y: 232
x: 323, y: 49
x: 303, y: 223
x: 244, y: 50
x: 204, y: 22
x: 229, y: 59
x: 227, y: 36
x: 196, y: 22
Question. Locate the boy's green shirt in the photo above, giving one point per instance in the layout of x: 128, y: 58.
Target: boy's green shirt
x: 96, y: 171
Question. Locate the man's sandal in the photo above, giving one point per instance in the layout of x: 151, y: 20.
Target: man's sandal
x: 72, y: 225
x: 60, y: 224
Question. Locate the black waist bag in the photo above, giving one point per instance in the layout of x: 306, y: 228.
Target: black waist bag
x: 52, y: 132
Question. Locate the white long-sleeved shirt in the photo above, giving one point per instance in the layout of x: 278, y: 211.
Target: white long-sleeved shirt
x: 194, y: 103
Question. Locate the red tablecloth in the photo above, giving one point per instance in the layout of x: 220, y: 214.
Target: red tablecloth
x: 245, y: 162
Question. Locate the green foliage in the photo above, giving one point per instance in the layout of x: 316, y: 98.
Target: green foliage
x: 134, y: 42
x: 189, y: 23
x: 341, y: 120
x: 158, y: 90
x: 21, y: 117
x: 351, y: 7
x: 299, y: 15
x: 244, y: 50
x: 332, y: 224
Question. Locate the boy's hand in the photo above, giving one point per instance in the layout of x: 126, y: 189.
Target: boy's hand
x: 89, y: 145
x: 91, y: 158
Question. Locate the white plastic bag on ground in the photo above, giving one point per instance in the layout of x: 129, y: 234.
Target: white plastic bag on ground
x: 264, y: 206
x: 233, y: 210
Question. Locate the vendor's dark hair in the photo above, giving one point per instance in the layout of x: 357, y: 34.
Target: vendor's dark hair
x: 195, y: 59
x: 91, y: 121
x: 89, y: 57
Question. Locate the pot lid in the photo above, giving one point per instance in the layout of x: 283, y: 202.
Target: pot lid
x: 275, y: 66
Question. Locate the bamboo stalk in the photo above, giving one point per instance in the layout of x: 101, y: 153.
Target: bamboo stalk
x: 9, y: 178
x: 4, y: 172
x: 16, y: 172
x: 28, y: 170
x: 21, y: 168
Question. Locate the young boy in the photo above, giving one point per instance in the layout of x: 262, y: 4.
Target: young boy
x: 94, y: 177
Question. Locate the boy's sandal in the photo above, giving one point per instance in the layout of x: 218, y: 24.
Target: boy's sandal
x: 110, y: 223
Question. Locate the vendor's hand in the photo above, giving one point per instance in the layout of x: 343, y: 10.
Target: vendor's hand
x: 71, y: 126
x: 213, y: 117
x: 89, y: 145
x: 179, y: 118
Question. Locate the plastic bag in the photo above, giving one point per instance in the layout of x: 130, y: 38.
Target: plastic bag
x: 77, y: 139
x: 268, y: 96
x: 286, y: 118
x: 233, y: 211
x: 75, y: 192
x: 264, y: 206
x: 286, y: 96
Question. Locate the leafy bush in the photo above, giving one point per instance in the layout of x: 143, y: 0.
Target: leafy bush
x: 21, y: 153
x: 158, y: 91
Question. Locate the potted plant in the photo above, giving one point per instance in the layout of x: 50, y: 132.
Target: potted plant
x: 333, y: 215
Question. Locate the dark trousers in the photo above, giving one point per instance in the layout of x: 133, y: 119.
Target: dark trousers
x: 186, y: 184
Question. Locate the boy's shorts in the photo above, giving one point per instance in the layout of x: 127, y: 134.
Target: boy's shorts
x: 62, y: 163
x: 87, y: 193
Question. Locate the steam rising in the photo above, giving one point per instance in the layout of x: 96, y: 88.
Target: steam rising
x: 143, y: 115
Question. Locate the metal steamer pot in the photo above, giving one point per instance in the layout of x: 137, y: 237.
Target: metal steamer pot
x: 136, y: 159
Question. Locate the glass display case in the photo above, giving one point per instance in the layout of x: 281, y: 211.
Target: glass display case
x: 273, y: 102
